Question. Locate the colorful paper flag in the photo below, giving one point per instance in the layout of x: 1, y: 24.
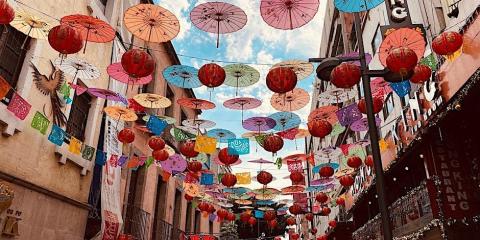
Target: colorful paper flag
x: 243, y: 178
x: 349, y: 114
x: 100, y: 158
x: 88, y: 152
x: 156, y: 125
x: 113, y: 161
x: 75, y: 146
x: 191, y: 189
x: 57, y: 135
x: 19, y: 106
x: 4, y: 87
x: 40, y: 123
x: 122, y: 160
x: 430, y: 61
x: 294, y: 166
x: 181, y: 135
x: 204, y: 144
x: 401, y: 88
x: 240, y: 146
x: 206, y: 179
x: 149, y: 161
x: 133, y: 162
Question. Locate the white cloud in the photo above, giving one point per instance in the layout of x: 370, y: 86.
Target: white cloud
x: 180, y: 8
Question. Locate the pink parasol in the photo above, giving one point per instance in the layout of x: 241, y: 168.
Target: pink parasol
x: 195, y: 103
x: 326, y: 113
x: 288, y: 14
x: 243, y: 103
x: 107, y: 94
x: 116, y: 71
x: 289, y: 134
x: 260, y: 160
x: 259, y: 124
x: 290, y: 101
x: 293, y: 189
x: 218, y: 17
x: 380, y: 87
x: 174, y: 164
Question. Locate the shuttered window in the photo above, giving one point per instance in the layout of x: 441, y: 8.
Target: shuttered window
x: 77, y: 120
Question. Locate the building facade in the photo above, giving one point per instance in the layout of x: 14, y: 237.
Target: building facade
x: 416, y: 130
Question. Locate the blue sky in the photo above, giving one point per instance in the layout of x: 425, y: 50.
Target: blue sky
x: 255, y: 43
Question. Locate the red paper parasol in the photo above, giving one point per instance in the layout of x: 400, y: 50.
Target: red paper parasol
x: 92, y: 29
x: 402, y: 37
x: 296, y: 157
x: 293, y: 189
x: 218, y: 17
x: 195, y: 103
x: 288, y: 14
x: 290, y: 101
x: 243, y: 103
x: 327, y: 113
x: 116, y: 71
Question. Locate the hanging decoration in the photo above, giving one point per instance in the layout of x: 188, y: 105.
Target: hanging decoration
x: 211, y: 75
x: 447, y: 43
x: 285, y: 120
x: 239, y: 146
x: 326, y: 171
x: 348, y: 115
x: 205, y: 144
x: 401, y: 60
x: 150, y: 100
x: 126, y: 136
x: 377, y: 105
x: 319, y: 128
x: 65, y: 40
x: 346, y: 180
x: 241, y: 75
x: 281, y: 80
x: 421, y: 73
x: 336, y: 96
x: 273, y: 144
x: 354, y: 162
x: 243, y: 178
x: 302, y: 69
x: 401, y: 88
x: 259, y: 124
x: 226, y: 158
x: 222, y: 135
x: 19, y: 106
x: 7, y: 14
x: 242, y: 103
x: 91, y: 29
x: 156, y: 143
x: 288, y: 15
x: 187, y: 149
x: 194, y: 166
x: 229, y: 180
x: 40, y: 122
x: 160, y: 155
x: 369, y: 161
x: 138, y: 63
x: 353, y: 6
x: 412, y: 39
x: 362, y: 124
x: 264, y: 177
x: 78, y: 68
x: 345, y: 75
x: 156, y: 125
x: 30, y: 25
x: 291, y: 101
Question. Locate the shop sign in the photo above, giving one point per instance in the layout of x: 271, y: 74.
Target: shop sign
x: 362, y: 180
x: 398, y: 13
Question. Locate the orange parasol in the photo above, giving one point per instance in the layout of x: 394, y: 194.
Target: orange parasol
x: 402, y: 37
x: 326, y: 112
x: 151, y: 23
x: 195, y: 103
x: 290, y: 101
x: 121, y: 113
x: 293, y: 189
x: 92, y: 29
x: 150, y: 100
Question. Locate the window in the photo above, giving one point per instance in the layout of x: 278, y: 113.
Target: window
x: 377, y: 40
x: 169, y: 94
x: 11, y: 55
x: 77, y: 120
x: 389, y: 105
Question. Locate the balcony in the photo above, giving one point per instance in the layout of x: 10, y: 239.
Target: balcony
x: 166, y: 231
x: 137, y: 222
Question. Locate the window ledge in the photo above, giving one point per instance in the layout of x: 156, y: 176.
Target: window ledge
x: 12, y: 123
x: 76, y: 159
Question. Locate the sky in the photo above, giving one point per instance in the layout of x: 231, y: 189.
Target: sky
x: 259, y: 45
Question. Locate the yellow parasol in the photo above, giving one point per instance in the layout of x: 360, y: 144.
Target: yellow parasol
x: 121, y: 113
x: 150, y: 100
x: 302, y: 69
x: 31, y: 25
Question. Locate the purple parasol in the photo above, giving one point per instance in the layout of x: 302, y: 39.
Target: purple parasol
x: 349, y: 114
x: 116, y: 71
x: 243, y: 103
x: 174, y: 164
x: 107, y: 94
x: 259, y: 124
x: 321, y: 181
x: 362, y: 124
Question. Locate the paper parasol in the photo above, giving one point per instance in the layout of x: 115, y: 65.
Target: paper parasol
x: 30, y: 25
x: 289, y: 134
x: 288, y: 15
x: 116, y: 71
x: 293, y: 189
x: 302, y: 69
x: 243, y: 103
x: 195, y: 103
x: 236, y: 190
x: 362, y: 124
x: 107, y: 94
x: 182, y: 76
x: 169, y: 120
x: 222, y: 135
x: 328, y: 153
x: 198, y: 123
x: 265, y: 190
x: 218, y: 17
x: 402, y: 37
x: 121, y: 113
x: 285, y: 120
x: 265, y: 202
x: 252, y: 135
x: 316, y: 169
x: 322, y: 182
x: 217, y: 161
x: 302, y: 133
x: 77, y: 67
x: 92, y: 29
x: 327, y: 113
x: 352, y: 6
x: 349, y: 114
x: 261, y: 161
x: 225, y: 204
x: 259, y: 124
x: 150, y: 100
x: 240, y: 75
x: 337, y: 128
x: 291, y: 101
x: 174, y: 164
x: 151, y: 23
x: 295, y: 157
x: 336, y: 95
x: 243, y: 202
x: 343, y: 172
x: 380, y: 87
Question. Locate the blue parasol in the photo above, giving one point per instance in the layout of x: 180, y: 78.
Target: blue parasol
x: 222, y: 135
x: 236, y: 190
x: 285, y: 120
x: 265, y: 202
x: 316, y: 169
x: 352, y: 6
x: 182, y: 76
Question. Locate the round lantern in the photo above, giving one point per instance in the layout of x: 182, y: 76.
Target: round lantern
x: 252, y: 221
x: 273, y: 223
x: 447, y: 43
x: 319, y: 128
x: 226, y: 158
x: 194, y: 166
x: 321, y: 197
x: 7, y: 14
x: 126, y: 136
x: 377, y: 105
x: 314, y: 231
x: 421, y: 73
x: 269, y: 215
x: 187, y: 148
x: 323, y: 237
x: 138, y: 63
x: 160, y: 155
x: 326, y: 171
x: 354, y: 162
x: 264, y: 177
x: 296, y: 177
x: 326, y: 211
x: 230, y: 217
x: 340, y: 201
x: 211, y: 75
x: 211, y: 208
x: 402, y: 60
x: 332, y: 223
x: 244, y: 217
x: 294, y: 236
x: 369, y: 161
x: 346, y: 180
x: 295, y: 209
x: 188, y: 197
x: 229, y: 180
x: 345, y: 75
x: 204, y: 206
x: 281, y: 80
x: 222, y: 213
x: 309, y: 216
x: 291, y: 221
x: 65, y: 39
x: 156, y: 143
x: 273, y: 143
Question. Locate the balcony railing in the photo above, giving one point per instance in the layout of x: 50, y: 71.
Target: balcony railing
x: 137, y: 222
x: 166, y: 231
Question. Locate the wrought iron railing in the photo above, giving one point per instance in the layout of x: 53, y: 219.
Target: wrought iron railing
x: 166, y: 231
x: 136, y: 222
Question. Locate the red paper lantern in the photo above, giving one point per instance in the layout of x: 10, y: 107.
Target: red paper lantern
x: 156, y: 143
x: 281, y: 80
x: 346, y: 180
x: 126, y: 136
x: 273, y: 143
x: 323, y: 237
x: 377, y: 105
x: 421, y: 73
x: 187, y: 148
x: 226, y: 158
x: 326, y: 211
x: 309, y: 216
x: 194, y: 166
x: 291, y: 221
x: 340, y: 201
x: 211, y: 75
x: 295, y: 209
x: 294, y: 236
x: 229, y: 180
x: 230, y: 217
x: 264, y: 177
x: 65, y: 39
x: 188, y: 197
x: 447, y: 43
x: 222, y: 213
x: 314, y: 231
x: 204, y: 206
x: 402, y: 60
x: 369, y: 161
x: 296, y: 177
x: 319, y: 128
x: 332, y: 223
x: 211, y: 208
x: 138, y: 63
x: 160, y: 155
x: 252, y: 221
x: 345, y: 75
x: 326, y: 171
x: 354, y: 162
x: 321, y: 197
x: 244, y: 217
x: 7, y: 14
x: 269, y: 215
x: 272, y: 223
